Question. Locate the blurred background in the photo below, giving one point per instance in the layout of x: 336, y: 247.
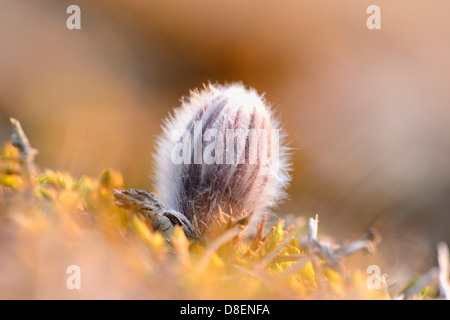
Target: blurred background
x: 368, y: 111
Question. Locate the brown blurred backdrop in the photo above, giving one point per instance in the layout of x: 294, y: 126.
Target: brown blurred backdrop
x: 368, y: 111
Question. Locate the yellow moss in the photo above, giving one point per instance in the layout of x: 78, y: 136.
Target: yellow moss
x: 111, y: 179
x: 10, y: 181
x: 9, y: 152
x: 80, y: 209
x: 216, y: 262
x: 141, y: 229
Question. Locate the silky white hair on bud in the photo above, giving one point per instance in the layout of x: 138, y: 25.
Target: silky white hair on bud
x: 239, y: 126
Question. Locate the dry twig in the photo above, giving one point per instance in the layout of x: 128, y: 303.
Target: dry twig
x: 444, y: 270
x: 21, y: 142
x: 425, y: 280
x: 154, y: 210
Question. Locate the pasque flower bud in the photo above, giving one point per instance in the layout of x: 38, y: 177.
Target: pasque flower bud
x: 221, y: 151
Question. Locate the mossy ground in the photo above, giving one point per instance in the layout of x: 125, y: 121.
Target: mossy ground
x: 52, y: 220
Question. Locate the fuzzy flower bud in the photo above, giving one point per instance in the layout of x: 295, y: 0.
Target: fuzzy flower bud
x: 221, y: 151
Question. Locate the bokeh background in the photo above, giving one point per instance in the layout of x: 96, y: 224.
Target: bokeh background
x: 368, y: 111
